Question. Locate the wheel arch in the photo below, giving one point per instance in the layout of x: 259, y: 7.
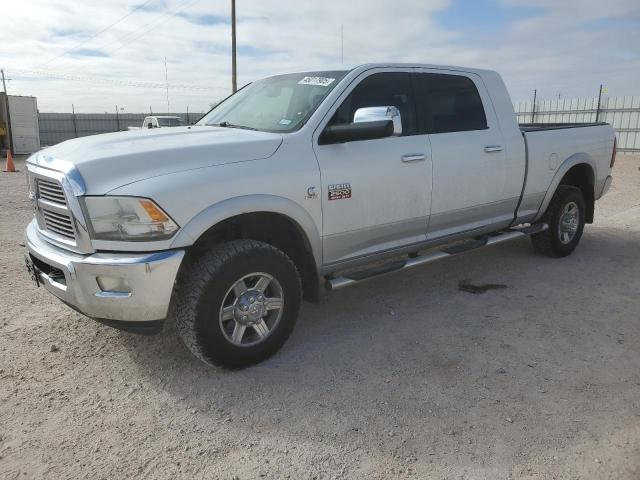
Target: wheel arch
x: 268, y: 218
x: 579, y: 170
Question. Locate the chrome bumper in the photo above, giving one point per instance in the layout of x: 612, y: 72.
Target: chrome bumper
x: 107, y: 286
x: 606, y: 186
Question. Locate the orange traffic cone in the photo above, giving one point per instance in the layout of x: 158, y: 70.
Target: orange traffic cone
x: 10, y: 166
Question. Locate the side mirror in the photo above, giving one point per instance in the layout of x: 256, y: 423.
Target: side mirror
x: 352, y: 132
x: 372, y: 114
x: 149, y: 125
x: 369, y: 123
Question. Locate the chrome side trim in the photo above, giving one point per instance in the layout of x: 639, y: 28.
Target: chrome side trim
x: 477, y: 216
x: 345, y: 246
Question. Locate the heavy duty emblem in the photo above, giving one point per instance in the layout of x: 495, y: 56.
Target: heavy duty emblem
x: 339, y: 191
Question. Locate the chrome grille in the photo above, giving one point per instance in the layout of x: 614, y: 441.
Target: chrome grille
x: 53, y: 213
x: 51, y: 191
x: 58, y: 223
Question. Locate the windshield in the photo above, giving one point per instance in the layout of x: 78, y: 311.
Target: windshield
x: 276, y: 104
x: 169, y: 122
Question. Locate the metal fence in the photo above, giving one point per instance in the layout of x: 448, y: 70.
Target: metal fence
x: 58, y: 127
x: 623, y: 113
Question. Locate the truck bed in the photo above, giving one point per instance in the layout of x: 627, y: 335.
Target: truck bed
x: 549, y: 145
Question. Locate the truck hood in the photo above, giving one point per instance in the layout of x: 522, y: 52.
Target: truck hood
x: 112, y: 160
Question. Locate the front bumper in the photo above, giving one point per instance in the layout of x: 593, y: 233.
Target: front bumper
x: 125, y: 287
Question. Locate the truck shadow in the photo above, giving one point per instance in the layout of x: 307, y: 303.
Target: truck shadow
x: 406, y: 350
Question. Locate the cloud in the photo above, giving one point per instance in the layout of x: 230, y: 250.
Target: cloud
x: 67, y: 32
x: 88, y: 52
x: 567, y: 47
x: 204, y: 19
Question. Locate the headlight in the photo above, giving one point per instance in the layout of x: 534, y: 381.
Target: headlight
x: 127, y: 218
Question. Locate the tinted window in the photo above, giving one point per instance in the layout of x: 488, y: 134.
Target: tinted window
x: 448, y: 103
x: 169, y: 122
x: 381, y: 90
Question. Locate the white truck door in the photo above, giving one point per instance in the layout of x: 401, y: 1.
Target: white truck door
x: 24, y: 124
x: 375, y: 193
x: 470, y: 188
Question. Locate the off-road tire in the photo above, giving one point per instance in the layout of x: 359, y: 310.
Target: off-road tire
x: 548, y: 242
x: 202, y: 290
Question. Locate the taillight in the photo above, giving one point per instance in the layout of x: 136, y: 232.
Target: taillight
x: 613, y: 153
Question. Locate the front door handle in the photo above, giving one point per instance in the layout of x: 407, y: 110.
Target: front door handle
x: 493, y: 148
x: 413, y: 157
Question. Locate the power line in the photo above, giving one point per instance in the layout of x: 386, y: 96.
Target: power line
x: 108, y: 80
x: 85, y: 41
x: 133, y: 35
x: 152, y: 25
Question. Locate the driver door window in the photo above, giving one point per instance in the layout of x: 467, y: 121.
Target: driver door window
x: 380, y: 90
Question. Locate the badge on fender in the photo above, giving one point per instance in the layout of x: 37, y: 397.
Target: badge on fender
x: 339, y: 191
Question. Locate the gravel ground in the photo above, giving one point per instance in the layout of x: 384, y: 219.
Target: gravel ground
x: 407, y: 376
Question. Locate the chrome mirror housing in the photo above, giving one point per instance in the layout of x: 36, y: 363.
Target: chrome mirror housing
x: 375, y: 114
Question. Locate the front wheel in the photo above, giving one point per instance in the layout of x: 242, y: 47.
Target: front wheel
x: 238, y: 303
x: 565, y: 217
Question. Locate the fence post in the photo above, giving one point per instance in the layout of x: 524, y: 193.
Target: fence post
x: 533, y: 108
x: 187, y: 114
x: 598, y: 108
x: 75, y: 128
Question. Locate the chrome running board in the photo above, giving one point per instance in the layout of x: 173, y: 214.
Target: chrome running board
x: 334, y: 283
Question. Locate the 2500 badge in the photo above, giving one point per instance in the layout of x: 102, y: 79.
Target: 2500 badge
x: 339, y: 191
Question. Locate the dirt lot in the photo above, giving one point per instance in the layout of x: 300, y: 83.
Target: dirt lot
x: 406, y: 376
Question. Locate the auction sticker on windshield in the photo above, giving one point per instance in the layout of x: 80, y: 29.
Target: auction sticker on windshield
x: 318, y: 81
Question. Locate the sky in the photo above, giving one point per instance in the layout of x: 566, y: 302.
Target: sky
x: 99, y: 55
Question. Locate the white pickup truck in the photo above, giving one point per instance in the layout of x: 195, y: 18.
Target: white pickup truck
x: 297, y: 182
x: 159, y: 121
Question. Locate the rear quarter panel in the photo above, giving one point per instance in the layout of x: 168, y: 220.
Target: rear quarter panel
x: 552, y: 153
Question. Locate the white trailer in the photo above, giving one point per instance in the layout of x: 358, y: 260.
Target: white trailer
x: 23, y: 127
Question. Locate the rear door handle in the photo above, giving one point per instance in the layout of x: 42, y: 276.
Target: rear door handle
x: 413, y: 157
x: 493, y: 148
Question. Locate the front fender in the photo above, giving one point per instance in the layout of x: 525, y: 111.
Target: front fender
x: 568, y: 164
x: 232, y: 207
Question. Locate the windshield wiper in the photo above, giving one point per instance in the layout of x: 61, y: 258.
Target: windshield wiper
x: 231, y: 125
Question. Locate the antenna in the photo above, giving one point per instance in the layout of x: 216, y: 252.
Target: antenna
x: 342, y: 43
x: 166, y: 81
x: 234, y: 72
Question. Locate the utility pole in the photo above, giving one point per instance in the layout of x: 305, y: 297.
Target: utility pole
x: 599, y: 100
x: 75, y: 128
x: 166, y: 81
x: 234, y: 76
x: 9, y: 137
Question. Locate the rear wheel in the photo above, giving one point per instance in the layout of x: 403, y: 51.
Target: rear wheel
x: 238, y: 304
x: 565, y: 217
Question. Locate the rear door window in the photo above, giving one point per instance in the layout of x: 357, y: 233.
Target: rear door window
x: 448, y: 103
